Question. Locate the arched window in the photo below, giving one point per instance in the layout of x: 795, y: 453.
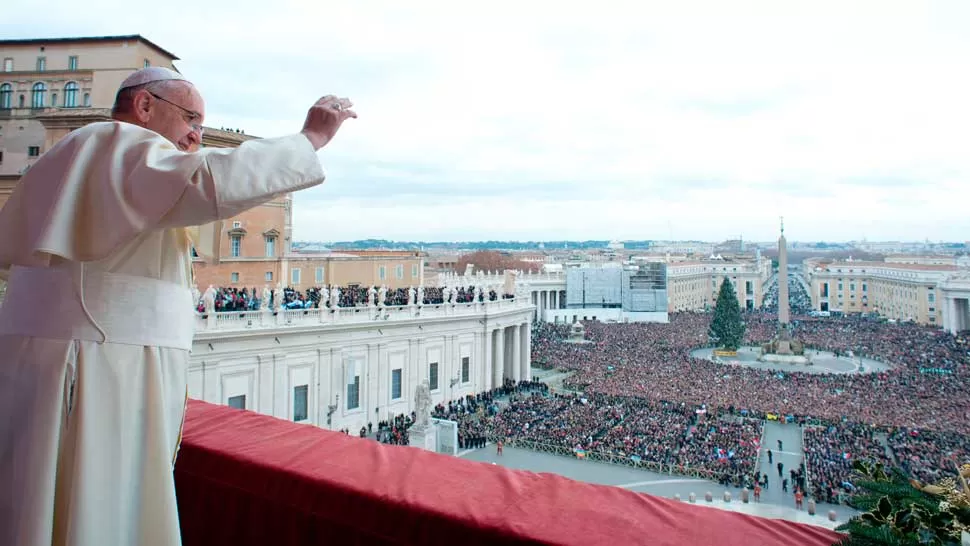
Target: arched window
x: 6, y: 96
x: 37, y: 95
x: 70, y: 95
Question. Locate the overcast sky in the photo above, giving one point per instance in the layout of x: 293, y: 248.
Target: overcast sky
x: 595, y: 120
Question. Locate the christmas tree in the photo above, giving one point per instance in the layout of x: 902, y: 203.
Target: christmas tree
x: 727, y: 327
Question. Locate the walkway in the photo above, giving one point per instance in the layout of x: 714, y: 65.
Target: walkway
x: 790, y: 455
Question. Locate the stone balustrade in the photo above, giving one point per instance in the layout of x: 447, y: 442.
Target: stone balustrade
x: 244, y: 320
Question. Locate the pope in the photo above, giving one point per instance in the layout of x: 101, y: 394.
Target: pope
x: 97, y: 323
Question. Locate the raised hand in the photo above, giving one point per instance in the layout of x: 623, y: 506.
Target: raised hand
x: 325, y: 118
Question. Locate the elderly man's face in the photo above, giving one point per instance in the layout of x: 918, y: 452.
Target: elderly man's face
x: 177, y: 113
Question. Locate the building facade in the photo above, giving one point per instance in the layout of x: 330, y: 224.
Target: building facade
x: 897, y: 290
x: 393, y: 269
x: 48, y: 86
x: 691, y: 286
x: 345, y: 368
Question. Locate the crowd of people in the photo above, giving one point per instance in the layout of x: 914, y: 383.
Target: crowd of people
x: 251, y: 299
x: 678, y: 437
x: 920, y: 405
x: 830, y: 451
x: 645, y: 396
x: 799, y: 302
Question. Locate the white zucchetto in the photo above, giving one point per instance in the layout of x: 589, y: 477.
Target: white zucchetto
x: 150, y: 74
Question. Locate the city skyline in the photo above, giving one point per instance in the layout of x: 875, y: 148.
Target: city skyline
x: 642, y: 122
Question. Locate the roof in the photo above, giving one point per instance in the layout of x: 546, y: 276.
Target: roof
x: 43, y: 41
x: 889, y: 265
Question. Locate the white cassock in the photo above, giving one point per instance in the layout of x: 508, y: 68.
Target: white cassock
x: 97, y: 324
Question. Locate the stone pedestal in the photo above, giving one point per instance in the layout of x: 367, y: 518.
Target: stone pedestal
x: 423, y: 437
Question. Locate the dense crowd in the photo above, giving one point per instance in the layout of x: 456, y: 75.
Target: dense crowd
x: 920, y: 407
x: 671, y: 436
x: 830, y: 450
x: 250, y: 299
x: 799, y: 302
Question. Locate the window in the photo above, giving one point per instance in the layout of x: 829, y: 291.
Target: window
x: 238, y: 402
x: 37, y: 95
x: 433, y: 376
x: 8, y: 65
x: 466, y: 371
x: 852, y: 287
x: 20, y: 103
x: 414, y: 271
x: 382, y: 272
x: 269, y: 276
x: 234, y: 277
x: 396, y: 384
x: 295, y: 276
x: 353, y: 393
x: 318, y: 277
x: 865, y: 287
x: 300, y: 402
x: 53, y: 99
x: 33, y: 151
x: 399, y: 271
x: 87, y: 99
x: 270, y: 246
x: 931, y: 297
x: 41, y: 64
x: 72, y: 62
x: 235, y: 247
x: 840, y: 287
x: 147, y: 63
x: 6, y: 94
x: 70, y: 95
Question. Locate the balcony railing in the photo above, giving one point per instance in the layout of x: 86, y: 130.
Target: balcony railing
x: 245, y: 320
x: 243, y: 478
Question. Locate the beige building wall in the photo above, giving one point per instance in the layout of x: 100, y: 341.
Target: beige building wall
x: 101, y: 65
x: 695, y: 285
x: 391, y: 269
x: 900, y: 291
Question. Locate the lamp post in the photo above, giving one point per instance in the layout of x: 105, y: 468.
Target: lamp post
x: 331, y: 409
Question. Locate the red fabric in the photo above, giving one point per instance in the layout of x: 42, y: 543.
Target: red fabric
x: 244, y: 478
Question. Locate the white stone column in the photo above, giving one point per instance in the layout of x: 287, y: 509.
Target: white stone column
x: 947, y: 314
x: 515, y: 366
x: 499, y: 361
x: 486, y: 361
x: 525, y: 361
x: 961, y: 311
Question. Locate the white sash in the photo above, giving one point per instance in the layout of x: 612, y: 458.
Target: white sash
x: 90, y: 305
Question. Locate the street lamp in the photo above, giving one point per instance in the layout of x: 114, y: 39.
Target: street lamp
x: 331, y: 409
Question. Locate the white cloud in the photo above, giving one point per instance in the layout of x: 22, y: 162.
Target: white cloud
x: 614, y: 119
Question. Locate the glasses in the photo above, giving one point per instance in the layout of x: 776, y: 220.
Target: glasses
x: 192, y: 115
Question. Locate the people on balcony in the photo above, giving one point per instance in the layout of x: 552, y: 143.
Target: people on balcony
x: 247, y: 299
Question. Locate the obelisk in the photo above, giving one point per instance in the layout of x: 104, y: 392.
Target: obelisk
x: 783, y: 313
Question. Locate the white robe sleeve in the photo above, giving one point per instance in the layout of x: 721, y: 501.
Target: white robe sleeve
x: 104, y: 184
